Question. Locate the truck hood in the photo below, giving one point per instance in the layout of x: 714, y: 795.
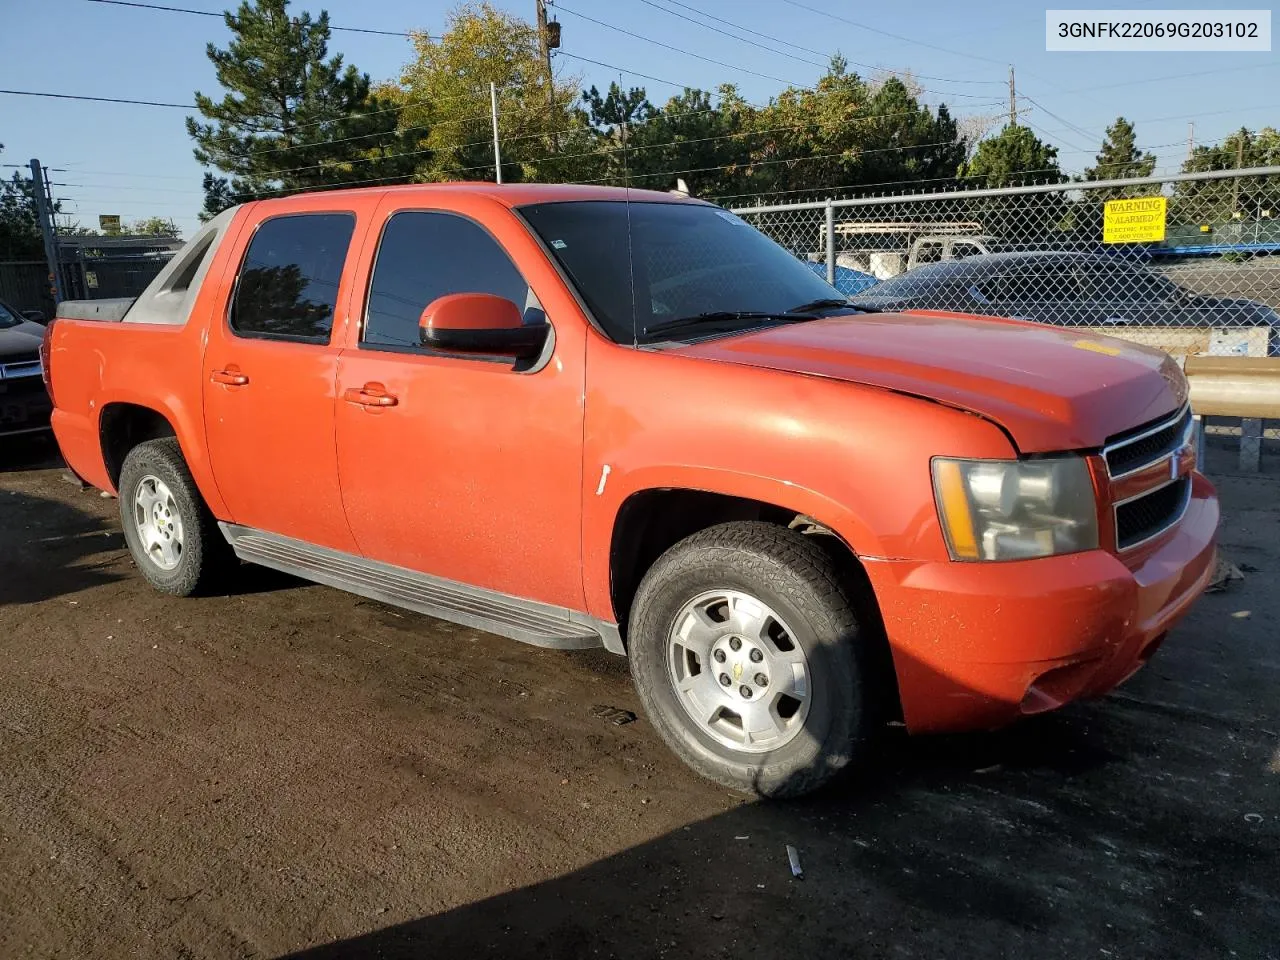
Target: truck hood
x: 1050, y: 388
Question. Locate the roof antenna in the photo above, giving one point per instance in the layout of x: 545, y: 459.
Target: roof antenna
x: 682, y: 188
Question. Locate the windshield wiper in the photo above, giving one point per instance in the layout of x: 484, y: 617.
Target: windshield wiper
x: 827, y: 303
x: 720, y: 317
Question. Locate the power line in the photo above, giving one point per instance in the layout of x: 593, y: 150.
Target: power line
x: 633, y: 73
x: 657, y: 116
x: 736, y: 26
x: 727, y: 136
x: 1176, y: 76
x: 726, y: 33
x: 76, y: 96
x: 897, y: 183
x: 667, y: 46
x: 210, y: 13
x: 895, y: 36
x: 766, y: 163
x: 721, y: 63
x: 785, y: 43
x: 1071, y: 126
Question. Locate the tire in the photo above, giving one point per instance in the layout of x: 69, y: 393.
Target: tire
x: 186, y: 552
x: 753, y: 564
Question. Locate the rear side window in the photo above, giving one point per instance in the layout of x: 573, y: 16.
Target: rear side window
x: 289, y: 279
x: 424, y: 256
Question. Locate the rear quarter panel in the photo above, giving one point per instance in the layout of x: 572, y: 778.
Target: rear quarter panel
x: 95, y: 364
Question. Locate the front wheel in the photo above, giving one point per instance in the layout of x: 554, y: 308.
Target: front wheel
x: 744, y: 649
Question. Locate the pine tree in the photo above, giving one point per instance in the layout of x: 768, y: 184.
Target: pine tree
x: 292, y: 118
x: 1016, y: 157
x: 1119, y: 158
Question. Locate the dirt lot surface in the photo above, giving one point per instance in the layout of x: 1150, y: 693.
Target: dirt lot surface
x: 292, y: 771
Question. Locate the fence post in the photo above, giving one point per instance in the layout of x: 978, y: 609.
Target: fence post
x: 1250, y: 445
x: 831, y: 243
x: 45, y: 216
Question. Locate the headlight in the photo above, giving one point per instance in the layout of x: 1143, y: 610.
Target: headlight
x: 1015, y: 509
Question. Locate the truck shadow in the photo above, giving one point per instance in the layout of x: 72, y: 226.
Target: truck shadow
x: 1084, y: 833
x: 36, y: 451
x: 51, y: 549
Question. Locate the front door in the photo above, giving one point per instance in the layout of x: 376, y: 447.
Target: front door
x: 269, y: 376
x: 464, y: 468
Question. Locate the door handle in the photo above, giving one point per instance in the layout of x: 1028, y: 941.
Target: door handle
x: 370, y: 395
x: 229, y: 378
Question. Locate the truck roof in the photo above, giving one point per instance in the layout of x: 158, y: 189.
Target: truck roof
x: 510, y: 194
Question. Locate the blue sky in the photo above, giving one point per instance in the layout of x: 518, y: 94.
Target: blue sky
x: 136, y: 161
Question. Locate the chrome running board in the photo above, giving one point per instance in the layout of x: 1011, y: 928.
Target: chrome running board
x: 528, y: 621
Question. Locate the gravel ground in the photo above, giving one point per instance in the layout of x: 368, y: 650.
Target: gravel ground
x: 292, y: 771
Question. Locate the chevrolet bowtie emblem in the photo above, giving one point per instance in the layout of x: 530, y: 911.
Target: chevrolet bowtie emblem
x: 737, y: 671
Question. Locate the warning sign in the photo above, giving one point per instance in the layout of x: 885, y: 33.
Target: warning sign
x: 1141, y: 220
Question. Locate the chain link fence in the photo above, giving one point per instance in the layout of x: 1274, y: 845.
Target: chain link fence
x: 1188, y: 263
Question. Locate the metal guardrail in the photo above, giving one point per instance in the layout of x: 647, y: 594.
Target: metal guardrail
x: 1234, y: 386
x: 1244, y: 387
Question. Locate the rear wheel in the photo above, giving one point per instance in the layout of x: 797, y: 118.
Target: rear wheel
x: 744, y: 649
x: 173, y: 537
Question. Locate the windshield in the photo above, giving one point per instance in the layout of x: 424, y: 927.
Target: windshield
x: 8, y: 318
x: 683, y: 260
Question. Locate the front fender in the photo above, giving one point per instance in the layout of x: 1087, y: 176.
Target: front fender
x: 614, y: 487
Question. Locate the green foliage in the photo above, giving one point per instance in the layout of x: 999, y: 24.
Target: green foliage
x: 1119, y: 157
x: 292, y: 118
x: 1014, y: 158
x: 445, y: 100
x: 1219, y: 201
x: 1017, y: 157
x: 153, y: 227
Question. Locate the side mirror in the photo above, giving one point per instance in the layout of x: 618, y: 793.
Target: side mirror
x: 35, y: 316
x: 480, y: 323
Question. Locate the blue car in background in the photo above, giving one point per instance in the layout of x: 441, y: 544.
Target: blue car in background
x: 848, y: 281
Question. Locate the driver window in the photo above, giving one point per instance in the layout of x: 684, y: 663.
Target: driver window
x: 423, y: 256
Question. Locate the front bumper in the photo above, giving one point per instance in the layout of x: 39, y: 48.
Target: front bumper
x: 24, y: 406
x: 977, y: 645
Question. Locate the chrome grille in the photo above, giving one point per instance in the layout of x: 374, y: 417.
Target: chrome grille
x: 1148, y: 515
x: 1142, y: 446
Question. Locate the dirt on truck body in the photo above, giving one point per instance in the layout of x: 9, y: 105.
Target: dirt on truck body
x: 590, y: 417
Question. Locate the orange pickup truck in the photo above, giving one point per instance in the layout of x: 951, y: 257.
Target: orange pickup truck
x: 584, y: 416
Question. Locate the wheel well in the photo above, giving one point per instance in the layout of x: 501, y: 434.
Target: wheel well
x: 122, y: 427
x: 653, y: 521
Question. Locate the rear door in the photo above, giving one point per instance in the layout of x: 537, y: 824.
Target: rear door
x: 269, y: 376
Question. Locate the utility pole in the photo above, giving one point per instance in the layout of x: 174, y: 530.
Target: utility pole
x: 544, y: 50
x: 1013, y: 99
x: 497, y: 150
x: 44, y: 213
x: 1191, y: 140
x: 549, y: 39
